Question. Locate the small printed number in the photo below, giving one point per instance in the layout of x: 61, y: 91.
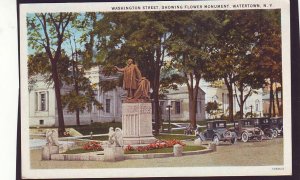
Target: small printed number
x: 281, y: 168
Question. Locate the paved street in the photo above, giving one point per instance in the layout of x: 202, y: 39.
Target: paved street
x: 267, y: 152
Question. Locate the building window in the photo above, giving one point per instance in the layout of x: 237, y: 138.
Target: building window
x: 41, y: 101
x: 257, y: 105
x: 41, y: 122
x: 177, y: 107
x: 107, y: 105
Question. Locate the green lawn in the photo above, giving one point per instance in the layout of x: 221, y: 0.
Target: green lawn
x: 167, y: 150
x: 77, y: 151
x: 99, y: 138
x: 171, y: 137
x: 96, y: 128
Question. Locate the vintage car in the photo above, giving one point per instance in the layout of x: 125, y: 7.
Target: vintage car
x: 277, y: 126
x: 216, y: 131
x: 265, y: 124
x: 245, y: 130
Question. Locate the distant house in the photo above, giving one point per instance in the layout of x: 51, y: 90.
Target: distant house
x: 266, y: 102
x: 221, y: 96
x: 179, y: 100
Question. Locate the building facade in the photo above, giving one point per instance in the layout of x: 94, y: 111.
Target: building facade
x: 43, y: 110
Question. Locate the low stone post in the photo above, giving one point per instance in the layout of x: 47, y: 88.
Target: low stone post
x: 48, y: 151
x: 177, y: 150
x: 212, y: 146
x: 198, y: 142
x: 109, y: 153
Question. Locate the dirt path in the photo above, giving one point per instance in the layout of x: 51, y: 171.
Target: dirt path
x: 267, y: 152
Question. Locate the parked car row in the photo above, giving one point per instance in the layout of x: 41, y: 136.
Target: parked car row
x: 243, y: 129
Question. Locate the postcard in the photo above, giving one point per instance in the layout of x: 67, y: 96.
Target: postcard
x: 155, y: 89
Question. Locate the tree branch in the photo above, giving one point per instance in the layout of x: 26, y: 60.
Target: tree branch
x: 44, y: 25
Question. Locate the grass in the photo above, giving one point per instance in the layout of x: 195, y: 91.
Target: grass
x: 77, y: 151
x: 99, y: 138
x: 96, y: 128
x: 171, y: 137
x: 167, y: 150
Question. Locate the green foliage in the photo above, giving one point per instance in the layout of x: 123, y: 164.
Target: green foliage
x: 212, y: 108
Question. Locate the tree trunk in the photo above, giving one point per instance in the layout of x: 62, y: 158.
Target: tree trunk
x: 61, y: 123
x: 76, y: 85
x: 274, y: 108
x: 75, y: 77
x: 230, y: 94
x: 271, y: 98
x: 192, y: 108
x: 156, y: 91
x: 241, y: 102
x: 279, y: 106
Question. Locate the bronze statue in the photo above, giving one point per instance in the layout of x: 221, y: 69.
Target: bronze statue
x: 137, y: 86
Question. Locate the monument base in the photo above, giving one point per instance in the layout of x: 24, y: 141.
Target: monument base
x: 137, y: 123
x: 138, y: 140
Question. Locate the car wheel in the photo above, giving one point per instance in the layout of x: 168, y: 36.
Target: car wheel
x: 216, y: 140
x: 233, y: 140
x: 275, y: 133
x: 259, y: 138
x: 245, y: 137
x: 270, y: 135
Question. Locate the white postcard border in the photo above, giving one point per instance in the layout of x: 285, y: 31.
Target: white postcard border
x: 27, y: 172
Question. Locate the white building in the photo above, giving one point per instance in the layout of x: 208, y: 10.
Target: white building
x: 221, y: 96
x: 179, y: 100
x: 43, y: 111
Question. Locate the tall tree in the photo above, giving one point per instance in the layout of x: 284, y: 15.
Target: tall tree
x: 235, y: 55
x: 190, y: 48
x: 46, y: 32
x: 139, y: 35
x: 268, y: 50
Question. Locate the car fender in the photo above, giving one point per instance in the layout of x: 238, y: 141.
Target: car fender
x: 217, y: 134
x: 202, y: 137
x: 233, y: 134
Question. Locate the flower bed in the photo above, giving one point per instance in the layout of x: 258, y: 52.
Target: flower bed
x: 159, y: 144
x: 92, y: 145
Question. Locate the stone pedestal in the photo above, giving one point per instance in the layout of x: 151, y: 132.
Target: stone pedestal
x: 198, y: 142
x: 177, y: 150
x: 137, y: 123
x: 212, y: 146
x: 112, y: 153
x: 48, y: 151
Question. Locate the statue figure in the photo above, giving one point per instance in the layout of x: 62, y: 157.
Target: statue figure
x: 115, y: 137
x: 52, y: 137
x: 143, y: 89
x: 132, y: 76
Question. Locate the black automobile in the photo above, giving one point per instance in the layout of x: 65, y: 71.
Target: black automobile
x: 265, y: 124
x: 277, y: 126
x: 216, y: 131
x: 246, y: 130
